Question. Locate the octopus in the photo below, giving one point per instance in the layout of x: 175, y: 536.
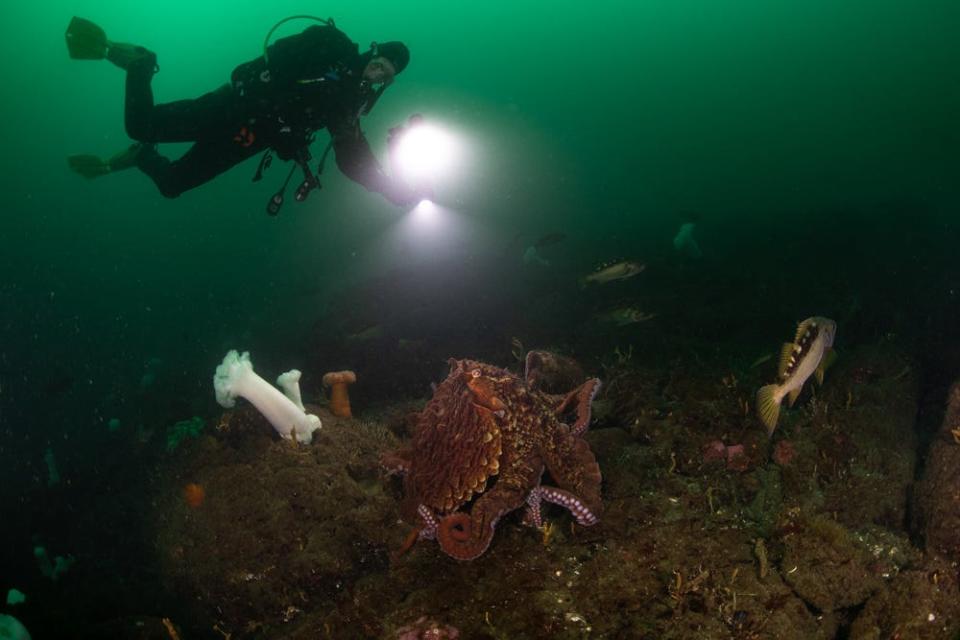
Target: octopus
x: 485, y: 444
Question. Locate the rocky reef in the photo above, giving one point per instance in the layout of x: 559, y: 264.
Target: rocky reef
x: 938, y: 494
x: 801, y: 536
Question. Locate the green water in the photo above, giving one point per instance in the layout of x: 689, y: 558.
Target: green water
x: 604, y: 121
x: 815, y: 140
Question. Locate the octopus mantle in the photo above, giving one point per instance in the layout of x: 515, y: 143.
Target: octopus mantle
x: 487, y: 436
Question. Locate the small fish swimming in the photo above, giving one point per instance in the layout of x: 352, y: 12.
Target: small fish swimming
x: 550, y: 238
x: 610, y: 272
x: 532, y: 256
x: 517, y: 350
x: 810, y: 353
x: 623, y: 316
x: 368, y: 333
x: 685, y: 244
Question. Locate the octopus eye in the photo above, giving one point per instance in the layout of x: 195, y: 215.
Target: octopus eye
x: 475, y: 373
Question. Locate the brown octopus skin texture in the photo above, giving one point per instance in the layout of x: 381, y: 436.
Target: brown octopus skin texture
x: 489, y: 434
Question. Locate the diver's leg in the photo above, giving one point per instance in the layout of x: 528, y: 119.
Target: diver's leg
x: 138, y: 119
x: 179, y: 121
x: 138, y: 103
x: 204, y: 161
x: 123, y: 55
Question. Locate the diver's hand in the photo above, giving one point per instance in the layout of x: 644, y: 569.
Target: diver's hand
x: 401, y: 195
x: 424, y: 192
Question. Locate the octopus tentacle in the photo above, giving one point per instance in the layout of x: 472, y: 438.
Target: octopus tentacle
x: 486, y: 436
x: 409, y: 541
x: 462, y: 537
x: 546, y: 371
x: 430, y: 522
x: 465, y: 536
x: 583, y: 514
x: 427, y: 530
x: 574, y: 469
x: 582, y: 400
x: 397, y: 462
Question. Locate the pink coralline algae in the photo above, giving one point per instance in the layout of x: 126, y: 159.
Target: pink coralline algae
x: 737, y: 459
x: 733, y: 456
x: 426, y: 629
x: 715, y: 451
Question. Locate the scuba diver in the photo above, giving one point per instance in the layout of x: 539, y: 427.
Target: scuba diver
x: 314, y: 80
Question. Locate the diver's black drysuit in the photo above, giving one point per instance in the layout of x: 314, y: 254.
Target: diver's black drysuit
x: 313, y: 81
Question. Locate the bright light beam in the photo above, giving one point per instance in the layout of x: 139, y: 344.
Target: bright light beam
x: 425, y: 153
x: 425, y: 210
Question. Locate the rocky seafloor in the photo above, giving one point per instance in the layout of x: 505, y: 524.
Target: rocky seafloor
x: 828, y: 529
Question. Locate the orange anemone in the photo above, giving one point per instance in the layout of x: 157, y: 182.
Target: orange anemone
x: 194, y: 494
x: 339, y: 399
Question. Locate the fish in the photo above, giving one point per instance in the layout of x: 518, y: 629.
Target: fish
x: 685, y: 244
x: 532, y: 256
x: 516, y: 349
x: 759, y: 361
x: 368, y: 333
x: 810, y: 353
x: 549, y: 239
x: 623, y: 316
x: 610, y: 272
x: 409, y: 344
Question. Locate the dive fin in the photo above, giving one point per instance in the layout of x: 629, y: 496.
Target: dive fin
x: 829, y: 357
x: 768, y: 408
x: 85, y: 40
x: 88, y: 166
x: 126, y: 158
x: 124, y: 55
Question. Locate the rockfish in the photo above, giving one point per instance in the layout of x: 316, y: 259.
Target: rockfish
x: 549, y: 239
x: 809, y: 353
x: 622, y: 316
x: 617, y: 271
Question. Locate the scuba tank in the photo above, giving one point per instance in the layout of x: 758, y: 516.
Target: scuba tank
x: 291, y: 61
x: 278, y: 70
x: 288, y: 67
